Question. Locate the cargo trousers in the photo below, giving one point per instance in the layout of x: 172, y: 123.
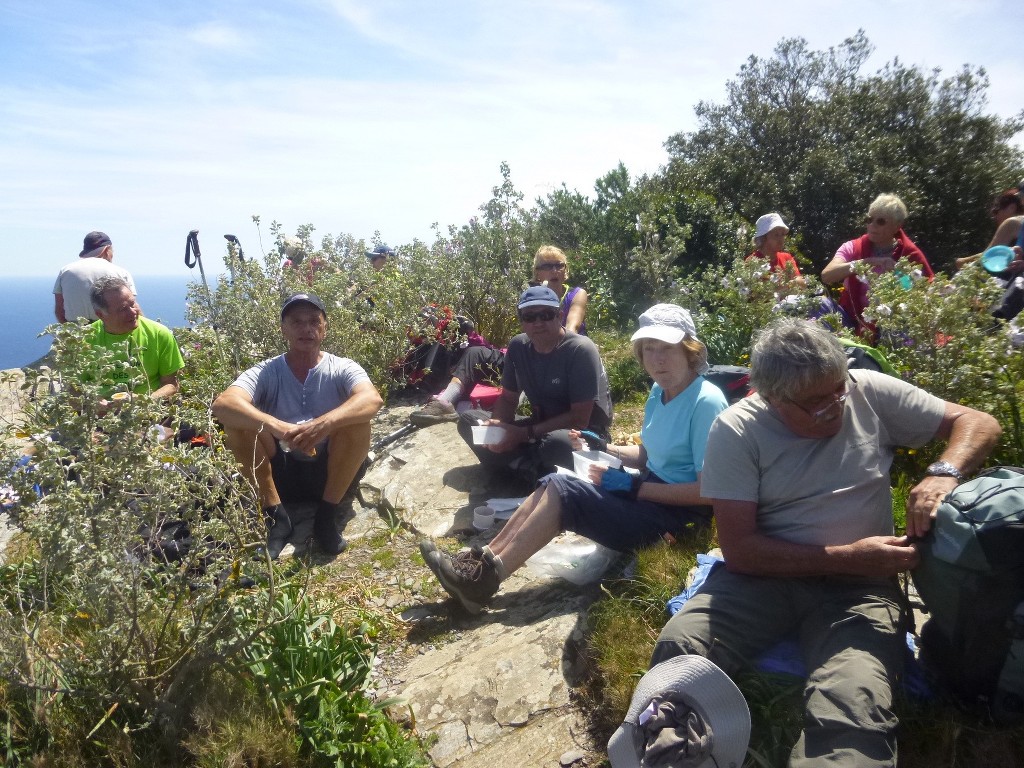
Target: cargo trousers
x: 851, y: 635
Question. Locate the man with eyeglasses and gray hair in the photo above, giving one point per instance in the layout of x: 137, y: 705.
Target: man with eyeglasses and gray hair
x: 798, y: 476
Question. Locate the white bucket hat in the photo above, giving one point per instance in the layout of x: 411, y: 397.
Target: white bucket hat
x: 685, y: 713
x: 767, y: 223
x: 666, y: 322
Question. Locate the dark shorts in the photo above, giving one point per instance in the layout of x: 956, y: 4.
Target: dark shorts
x: 615, y: 522
x: 299, y: 479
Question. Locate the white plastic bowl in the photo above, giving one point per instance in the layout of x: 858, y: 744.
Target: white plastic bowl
x: 581, y: 461
x: 488, y: 435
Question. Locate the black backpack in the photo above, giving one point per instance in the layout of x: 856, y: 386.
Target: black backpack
x: 971, y: 579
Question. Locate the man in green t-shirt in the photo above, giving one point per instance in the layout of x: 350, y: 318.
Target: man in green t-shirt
x: 144, y: 343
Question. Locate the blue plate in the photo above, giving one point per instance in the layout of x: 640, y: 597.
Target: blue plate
x: 997, y: 258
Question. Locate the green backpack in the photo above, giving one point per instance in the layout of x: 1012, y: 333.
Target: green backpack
x: 971, y: 579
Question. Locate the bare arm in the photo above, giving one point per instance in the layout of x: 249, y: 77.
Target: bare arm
x: 1007, y: 231
x: 676, y: 494
x: 168, y: 387
x: 577, y: 311
x: 971, y: 435
x: 836, y: 270
x: 58, y: 308
x: 362, y: 405
x: 749, y: 552
x: 234, y: 409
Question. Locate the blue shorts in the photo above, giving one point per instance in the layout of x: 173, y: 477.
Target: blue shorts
x: 615, y: 522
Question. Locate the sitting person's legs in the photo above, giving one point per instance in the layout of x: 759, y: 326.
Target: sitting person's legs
x: 476, y: 364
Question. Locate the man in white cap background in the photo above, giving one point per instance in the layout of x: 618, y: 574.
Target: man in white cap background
x: 299, y: 424
x: 564, y: 381
x: 769, y: 239
x: 71, y: 291
x: 798, y: 476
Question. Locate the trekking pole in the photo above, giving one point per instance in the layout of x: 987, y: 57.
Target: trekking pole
x: 398, y: 434
x: 193, y: 257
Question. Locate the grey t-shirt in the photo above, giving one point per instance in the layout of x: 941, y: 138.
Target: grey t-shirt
x: 75, y: 281
x: 820, y: 491
x: 571, y: 373
x: 275, y: 390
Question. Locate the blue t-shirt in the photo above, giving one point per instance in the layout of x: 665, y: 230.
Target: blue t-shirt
x: 675, y: 434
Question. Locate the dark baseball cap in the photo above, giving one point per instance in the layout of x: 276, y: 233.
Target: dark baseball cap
x: 298, y: 298
x: 381, y: 251
x: 94, y: 241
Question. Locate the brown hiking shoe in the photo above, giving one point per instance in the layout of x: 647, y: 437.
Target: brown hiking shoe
x: 470, y: 576
x: 434, y: 412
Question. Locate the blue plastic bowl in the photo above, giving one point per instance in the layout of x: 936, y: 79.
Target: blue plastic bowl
x: 997, y: 258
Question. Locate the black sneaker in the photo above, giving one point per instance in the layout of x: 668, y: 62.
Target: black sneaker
x: 325, y: 530
x: 434, y: 412
x: 470, y: 576
x: 279, y: 529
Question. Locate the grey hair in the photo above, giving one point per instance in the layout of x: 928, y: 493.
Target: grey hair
x: 890, y: 206
x: 791, y: 355
x: 104, y: 284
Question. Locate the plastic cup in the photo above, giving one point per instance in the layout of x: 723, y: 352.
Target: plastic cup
x: 483, y: 518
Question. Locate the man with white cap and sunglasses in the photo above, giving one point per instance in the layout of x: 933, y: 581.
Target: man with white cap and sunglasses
x: 798, y: 476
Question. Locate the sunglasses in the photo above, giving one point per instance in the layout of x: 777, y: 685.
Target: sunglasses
x: 544, y: 315
x: 880, y: 221
x: 553, y: 266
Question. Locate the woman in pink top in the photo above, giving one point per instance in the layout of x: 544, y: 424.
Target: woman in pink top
x: 883, y: 245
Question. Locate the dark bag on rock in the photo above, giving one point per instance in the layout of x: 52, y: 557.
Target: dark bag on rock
x: 971, y: 579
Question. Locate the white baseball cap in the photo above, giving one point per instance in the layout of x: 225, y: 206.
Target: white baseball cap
x: 767, y: 223
x: 666, y: 322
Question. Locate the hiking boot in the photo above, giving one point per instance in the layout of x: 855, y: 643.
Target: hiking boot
x: 470, y: 576
x: 325, y: 529
x: 279, y: 529
x: 434, y: 412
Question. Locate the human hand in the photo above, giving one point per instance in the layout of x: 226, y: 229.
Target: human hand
x: 880, y: 556
x: 306, y: 435
x: 513, y: 436
x: 924, y: 500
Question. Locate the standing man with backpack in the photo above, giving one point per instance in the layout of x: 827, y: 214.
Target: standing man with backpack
x: 798, y: 476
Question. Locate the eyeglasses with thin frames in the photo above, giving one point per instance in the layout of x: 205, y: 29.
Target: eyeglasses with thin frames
x: 838, y: 398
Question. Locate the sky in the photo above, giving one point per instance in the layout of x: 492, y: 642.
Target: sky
x: 149, y: 119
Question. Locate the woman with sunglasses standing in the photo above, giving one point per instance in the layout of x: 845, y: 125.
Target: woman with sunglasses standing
x: 551, y: 269
x: 883, y: 245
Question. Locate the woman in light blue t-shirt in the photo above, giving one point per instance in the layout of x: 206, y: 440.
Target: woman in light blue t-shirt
x: 618, y: 509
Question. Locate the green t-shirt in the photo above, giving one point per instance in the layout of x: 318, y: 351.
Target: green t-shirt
x: 151, y: 344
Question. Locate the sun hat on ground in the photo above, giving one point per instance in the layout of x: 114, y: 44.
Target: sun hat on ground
x: 666, y: 322
x: 767, y: 223
x: 685, y: 713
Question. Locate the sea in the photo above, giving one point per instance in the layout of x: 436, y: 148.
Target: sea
x: 27, y: 308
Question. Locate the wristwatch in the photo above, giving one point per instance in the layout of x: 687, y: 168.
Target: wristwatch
x: 944, y: 469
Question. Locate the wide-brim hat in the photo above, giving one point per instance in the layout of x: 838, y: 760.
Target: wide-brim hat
x: 767, y: 223
x: 713, y: 708
x: 666, y: 322
x: 302, y: 298
x: 538, y: 296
